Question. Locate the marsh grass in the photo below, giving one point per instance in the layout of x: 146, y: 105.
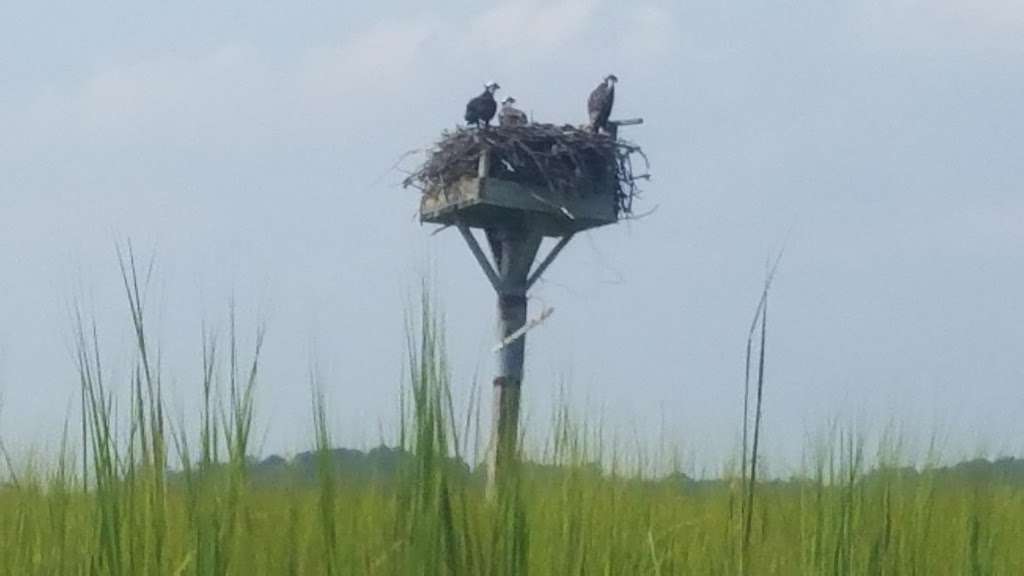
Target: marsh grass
x: 574, y: 506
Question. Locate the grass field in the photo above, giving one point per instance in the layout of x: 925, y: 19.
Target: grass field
x: 109, y: 506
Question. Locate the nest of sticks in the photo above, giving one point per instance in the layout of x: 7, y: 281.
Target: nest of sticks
x: 562, y: 158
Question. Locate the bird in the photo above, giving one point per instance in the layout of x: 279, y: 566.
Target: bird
x: 599, y: 105
x: 481, y: 109
x: 510, y: 115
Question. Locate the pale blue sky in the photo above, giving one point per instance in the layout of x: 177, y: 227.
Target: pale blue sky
x: 249, y: 145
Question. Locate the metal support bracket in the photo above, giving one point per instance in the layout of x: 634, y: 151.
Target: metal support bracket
x: 562, y: 242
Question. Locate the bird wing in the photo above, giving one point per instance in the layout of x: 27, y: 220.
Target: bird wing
x: 475, y: 108
x: 596, y: 101
x: 488, y: 106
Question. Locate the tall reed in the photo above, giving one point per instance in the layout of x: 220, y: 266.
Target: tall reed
x: 145, y: 494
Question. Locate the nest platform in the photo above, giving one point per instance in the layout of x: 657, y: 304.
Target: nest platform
x: 556, y: 179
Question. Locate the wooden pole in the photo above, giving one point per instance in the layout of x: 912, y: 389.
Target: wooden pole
x: 507, y: 391
x: 514, y: 250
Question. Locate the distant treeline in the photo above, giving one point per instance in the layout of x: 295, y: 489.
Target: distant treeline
x: 383, y: 464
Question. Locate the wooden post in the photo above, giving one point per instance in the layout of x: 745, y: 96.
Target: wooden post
x: 514, y: 250
x: 613, y: 126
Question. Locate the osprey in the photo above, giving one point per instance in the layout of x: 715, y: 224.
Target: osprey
x: 510, y: 115
x: 599, y: 105
x: 482, y: 108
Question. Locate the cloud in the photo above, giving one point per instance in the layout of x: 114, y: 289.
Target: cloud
x: 231, y: 94
x: 990, y: 15
x: 380, y: 58
x: 945, y: 24
x: 649, y: 32
x: 531, y: 28
x: 234, y: 95
x: 171, y: 99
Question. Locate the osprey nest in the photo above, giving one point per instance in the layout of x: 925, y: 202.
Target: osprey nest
x: 561, y: 158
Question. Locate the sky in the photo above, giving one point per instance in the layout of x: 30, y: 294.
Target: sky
x: 252, y: 151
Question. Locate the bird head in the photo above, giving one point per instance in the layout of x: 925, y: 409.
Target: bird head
x: 508, y: 101
x: 611, y: 79
x: 491, y: 87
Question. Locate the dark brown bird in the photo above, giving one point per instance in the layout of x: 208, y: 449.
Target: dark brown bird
x: 600, y: 103
x: 482, y: 108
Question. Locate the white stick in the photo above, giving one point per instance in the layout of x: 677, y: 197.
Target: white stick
x: 526, y: 328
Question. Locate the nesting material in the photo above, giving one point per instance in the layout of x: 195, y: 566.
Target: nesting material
x: 565, y: 159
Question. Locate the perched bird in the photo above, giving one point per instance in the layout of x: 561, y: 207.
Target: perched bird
x: 482, y: 108
x: 599, y: 105
x: 510, y: 115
